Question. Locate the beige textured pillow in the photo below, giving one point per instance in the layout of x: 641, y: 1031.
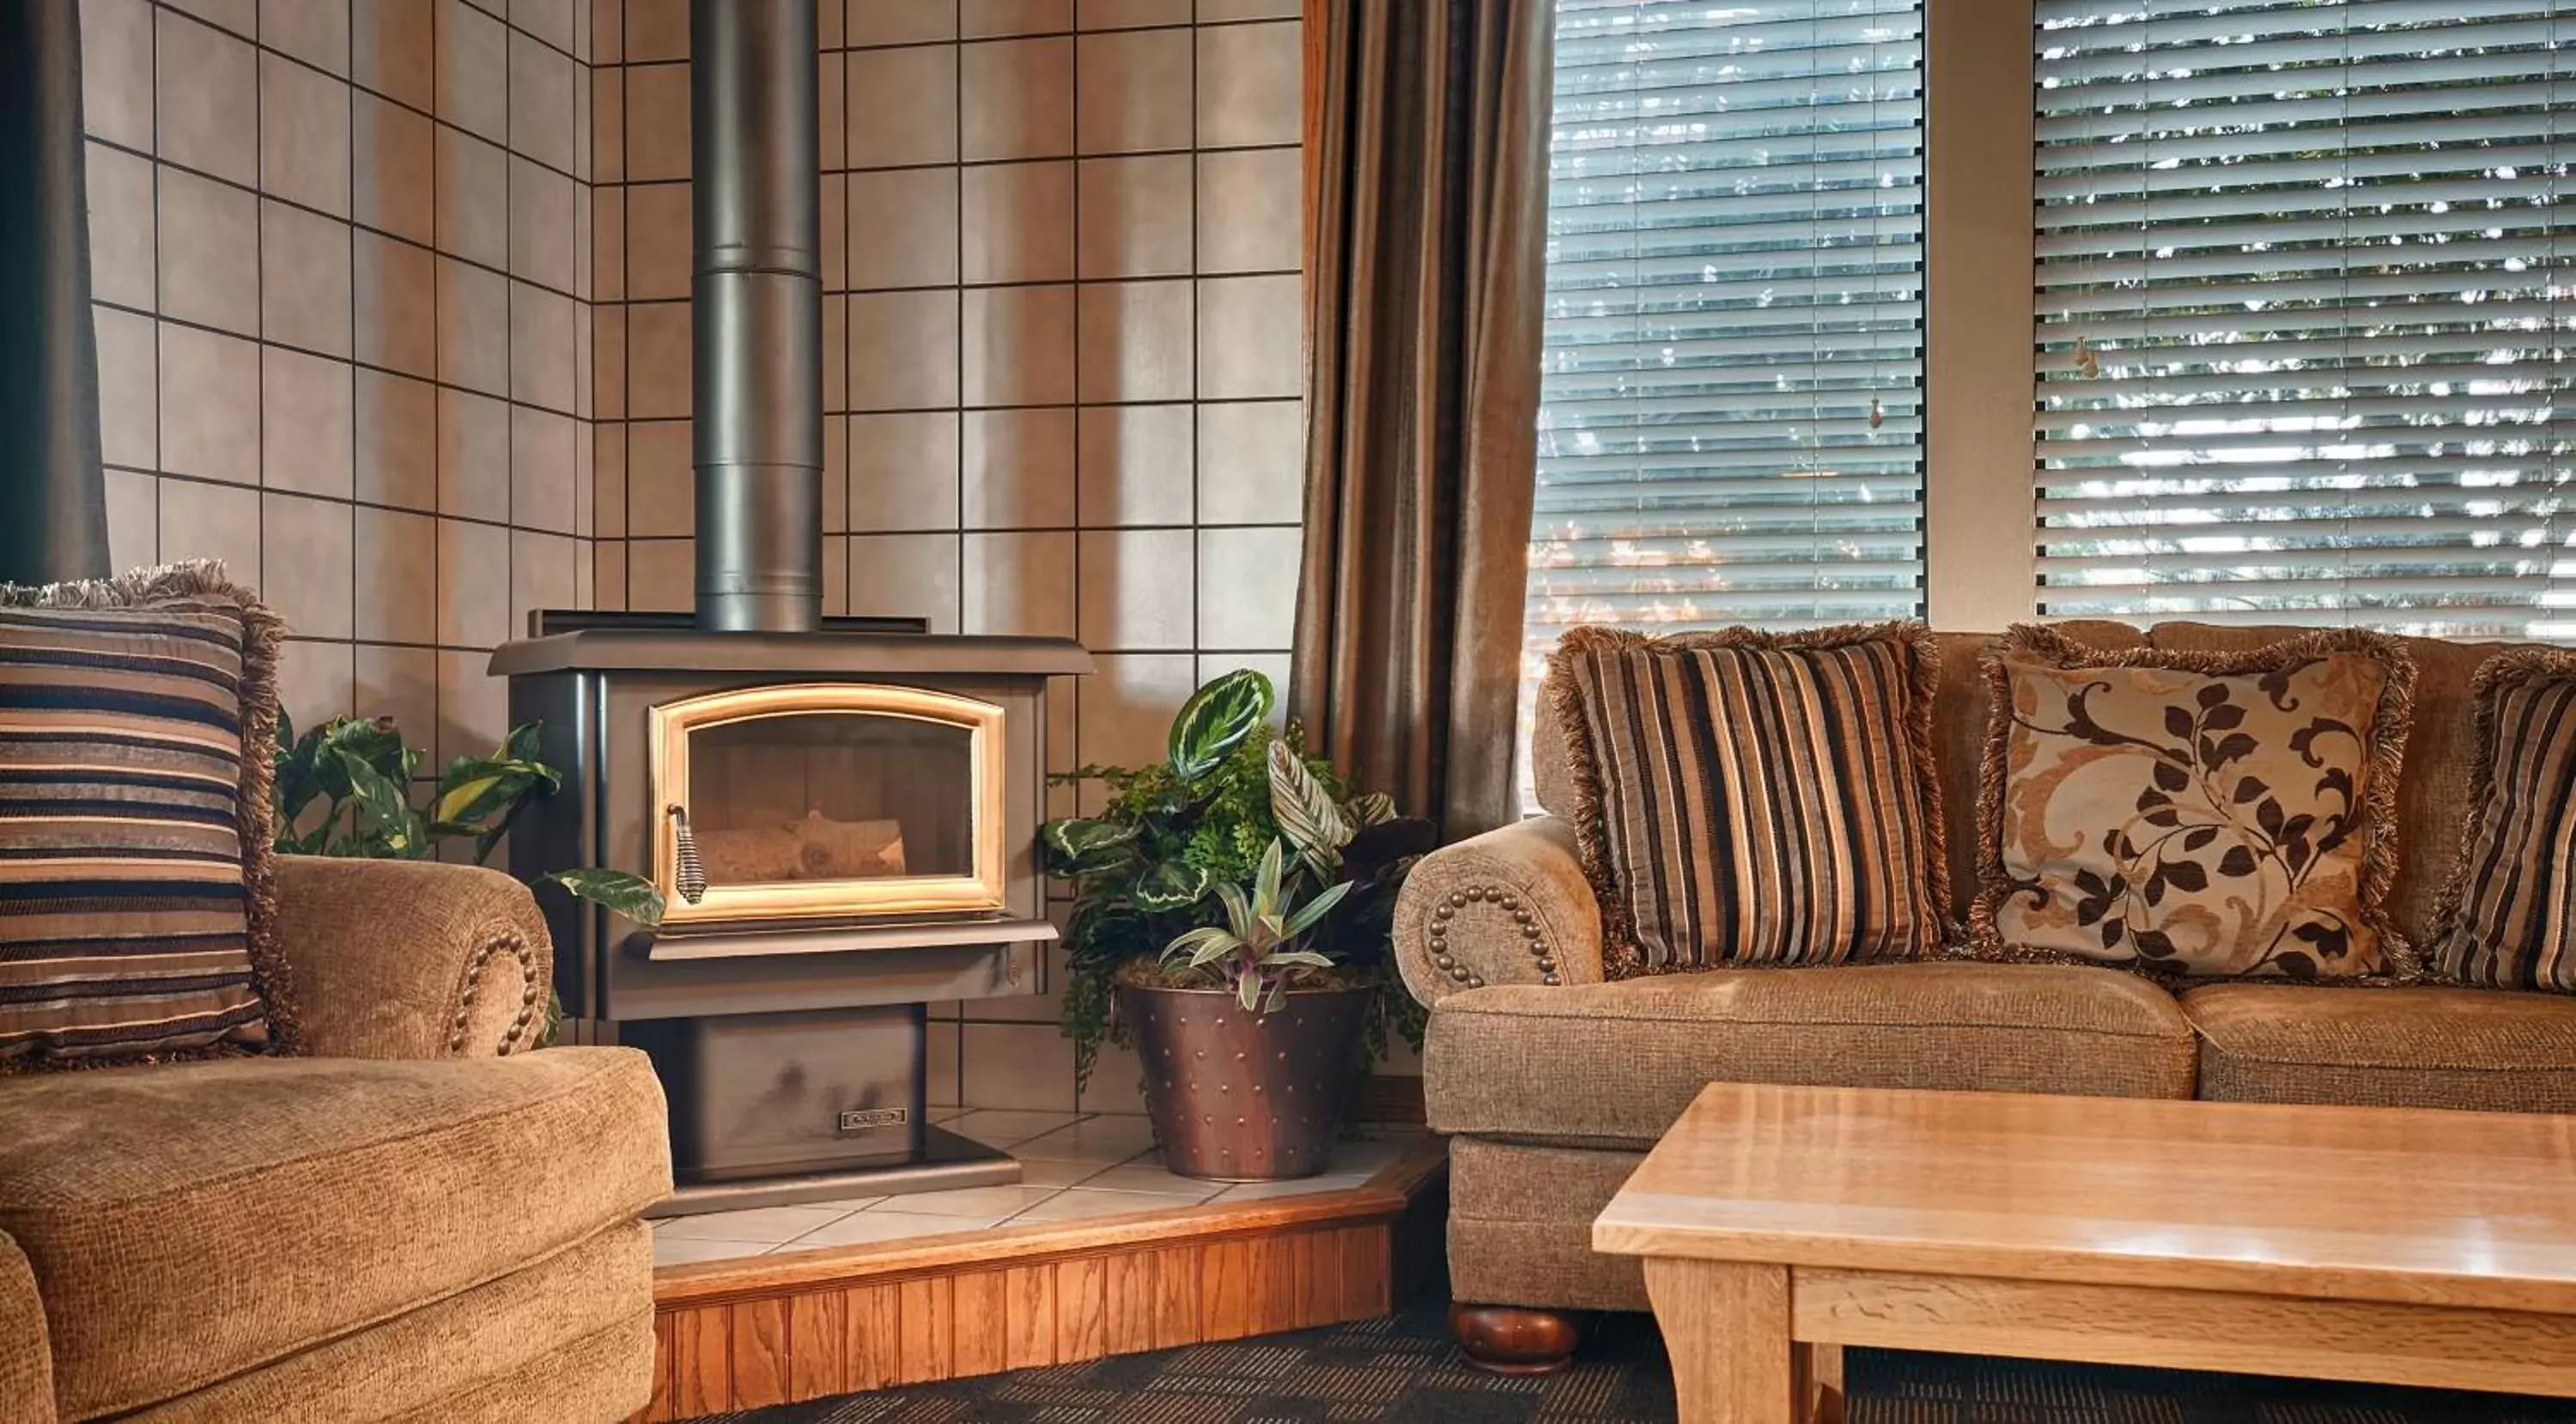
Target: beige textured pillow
x: 2194, y: 814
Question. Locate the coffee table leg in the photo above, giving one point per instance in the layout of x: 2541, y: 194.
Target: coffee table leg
x: 1726, y: 1326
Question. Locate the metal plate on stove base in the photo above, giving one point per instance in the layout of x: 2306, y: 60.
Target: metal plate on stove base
x: 948, y: 1162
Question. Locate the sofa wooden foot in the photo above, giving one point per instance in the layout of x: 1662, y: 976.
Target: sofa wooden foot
x: 1515, y: 1340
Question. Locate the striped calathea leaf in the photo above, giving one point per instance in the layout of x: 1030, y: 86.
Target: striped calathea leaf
x: 1215, y: 721
x: 1306, y: 812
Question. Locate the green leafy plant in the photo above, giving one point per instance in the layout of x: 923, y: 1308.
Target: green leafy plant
x: 1256, y: 947
x: 1176, y: 843
x: 346, y: 788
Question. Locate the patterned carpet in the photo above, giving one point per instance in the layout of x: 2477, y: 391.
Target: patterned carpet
x: 1402, y: 1370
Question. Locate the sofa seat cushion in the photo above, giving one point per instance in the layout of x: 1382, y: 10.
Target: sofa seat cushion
x: 188, y: 1222
x: 2435, y: 1048
x: 1614, y: 1064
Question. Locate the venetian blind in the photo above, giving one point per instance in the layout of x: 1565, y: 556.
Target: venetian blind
x: 2301, y: 302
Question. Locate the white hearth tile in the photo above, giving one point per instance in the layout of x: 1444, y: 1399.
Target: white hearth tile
x: 995, y: 1202
x: 669, y: 1250
x: 1148, y: 1174
x: 1300, y: 1187
x: 995, y: 1127
x: 768, y: 1225
x: 1078, y: 1203
x: 1098, y: 1139
x: 866, y: 1227
x: 1045, y: 1173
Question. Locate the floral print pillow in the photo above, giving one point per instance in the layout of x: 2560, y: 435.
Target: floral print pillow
x: 2194, y: 814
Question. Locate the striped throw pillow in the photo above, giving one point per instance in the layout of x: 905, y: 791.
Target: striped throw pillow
x: 138, y: 723
x: 2506, y: 918
x: 1753, y: 798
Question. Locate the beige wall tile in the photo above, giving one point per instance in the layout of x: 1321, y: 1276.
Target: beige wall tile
x: 1134, y: 91
x: 303, y: 135
x: 906, y: 575
x: 832, y: 110
x: 902, y: 227
x: 392, y: 49
x: 1016, y: 99
x: 836, y: 474
x: 1137, y: 587
x: 657, y: 354
x: 396, y: 453
x: 473, y: 66
x: 122, y: 248
x: 203, y: 521
x: 544, y: 208
x: 1125, y: 14
x: 657, y: 122
x: 1250, y: 210
x: 129, y: 388
x: 983, y: 18
x: 473, y: 327
x: 541, y: 347
x: 608, y: 244
x: 903, y: 471
x: 315, y: 31
x: 305, y: 545
x: 1024, y: 1067
x: 903, y: 350
x: 473, y: 198
x: 473, y: 706
x: 661, y: 575
x: 557, y: 22
x: 541, y: 470
x: 608, y: 586
x: 1019, y: 583
x: 207, y: 88
x: 1019, y: 469
x: 660, y: 498
x: 877, y: 22
x: 657, y: 241
x: 397, y: 577
x: 116, y: 71
x: 239, y: 16
x: 1135, y: 342
x: 608, y: 126
x: 902, y: 107
x: 1251, y: 84
x: 608, y: 362
x: 401, y: 683
x: 1018, y: 345
x: 836, y: 354
x: 1248, y: 596
x: 133, y: 519
x: 656, y: 30
x: 212, y: 276
x: 832, y: 197
x: 304, y: 285
x: 209, y: 406
x: 1018, y: 222
x: 1124, y: 709
x: 395, y: 305
x: 473, y: 584
x: 1136, y: 465
x: 1135, y: 216
x: 315, y: 681
x: 541, y: 575
x: 541, y: 103
x: 609, y: 465
x: 1248, y: 337
x: 473, y: 456
x: 308, y: 423
x: 1251, y: 463
x: 393, y: 170
x: 1215, y: 11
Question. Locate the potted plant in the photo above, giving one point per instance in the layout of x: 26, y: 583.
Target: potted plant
x: 1231, y: 920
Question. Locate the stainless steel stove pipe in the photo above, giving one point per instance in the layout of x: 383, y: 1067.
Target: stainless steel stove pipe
x: 757, y: 368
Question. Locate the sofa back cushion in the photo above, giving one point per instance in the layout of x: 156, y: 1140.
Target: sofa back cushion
x: 138, y: 721
x: 1749, y: 798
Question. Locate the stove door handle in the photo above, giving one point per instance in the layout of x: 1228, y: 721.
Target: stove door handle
x: 693, y: 871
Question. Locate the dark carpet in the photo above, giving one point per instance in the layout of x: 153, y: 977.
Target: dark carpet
x: 1402, y: 1369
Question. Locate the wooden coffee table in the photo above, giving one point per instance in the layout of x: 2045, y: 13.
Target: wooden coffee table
x: 2391, y: 1245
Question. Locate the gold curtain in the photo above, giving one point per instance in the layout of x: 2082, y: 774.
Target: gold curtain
x: 1426, y: 220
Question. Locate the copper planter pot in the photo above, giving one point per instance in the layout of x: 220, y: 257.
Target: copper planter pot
x: 1242, y: 1097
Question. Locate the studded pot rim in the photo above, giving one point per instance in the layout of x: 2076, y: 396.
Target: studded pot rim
x: 1246, y: 1097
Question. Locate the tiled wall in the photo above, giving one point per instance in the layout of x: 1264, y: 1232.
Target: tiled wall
x: 1061, y: 326
x: 340, y: 259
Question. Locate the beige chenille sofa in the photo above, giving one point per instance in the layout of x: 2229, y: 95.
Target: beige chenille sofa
x: 1553, y: 1083
x: 427, y: 1220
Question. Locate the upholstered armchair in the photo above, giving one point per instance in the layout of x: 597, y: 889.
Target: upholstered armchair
x: 423, y: 1216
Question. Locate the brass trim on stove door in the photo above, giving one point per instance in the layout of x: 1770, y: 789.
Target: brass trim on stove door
x: 671, y: 724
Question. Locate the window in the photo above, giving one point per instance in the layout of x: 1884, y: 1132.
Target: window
x: 2301, y: 305
x: 1731, y: 428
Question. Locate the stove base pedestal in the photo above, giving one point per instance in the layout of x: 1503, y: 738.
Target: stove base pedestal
x: 948, y: 1162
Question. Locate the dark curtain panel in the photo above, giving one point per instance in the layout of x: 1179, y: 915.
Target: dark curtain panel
x: 53, y: 501
x: 1426, y: 223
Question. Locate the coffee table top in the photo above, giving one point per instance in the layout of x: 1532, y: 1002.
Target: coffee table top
x: 2392, y: 1204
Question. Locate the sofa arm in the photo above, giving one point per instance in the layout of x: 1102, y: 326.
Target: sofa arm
x: 26, y: 1353
x: 412, y: 958
x: 1508, y: 907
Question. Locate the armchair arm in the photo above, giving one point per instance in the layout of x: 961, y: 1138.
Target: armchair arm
x: 26, y: 1354
x: 1508, y: 907
x: 412, y: 958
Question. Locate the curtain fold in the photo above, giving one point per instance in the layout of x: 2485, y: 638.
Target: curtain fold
x: 53, y: 498
x: 1426, y: 212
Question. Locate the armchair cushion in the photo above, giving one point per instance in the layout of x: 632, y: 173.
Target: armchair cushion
x: 190, y: 1222
x: 413, y: 958
x: 1615, y: 1064
x: 26, y: 1362
x: 138, y: 720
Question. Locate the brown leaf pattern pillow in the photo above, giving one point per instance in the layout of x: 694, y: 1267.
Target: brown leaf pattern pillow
x: 2194, y: 814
